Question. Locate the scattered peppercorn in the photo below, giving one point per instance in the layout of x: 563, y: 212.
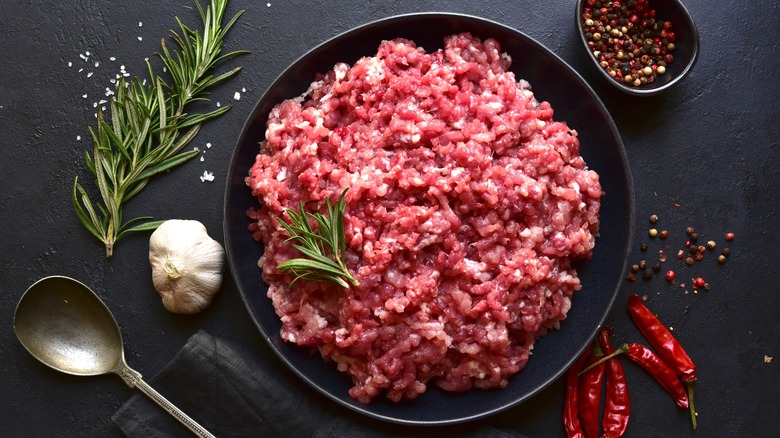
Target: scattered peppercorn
x: 663, y: 234
x: 631, y: 277
x: 628, y: 41
x: 657, y: 267
x: 635, y: 267
x: 729, y: 236
x: 647, y: 274
x: 642, y: 265
x: 652, y: 232
x: 643, y: 247
x: 689, y: 231
x: 653, y: 219
x: 689, y: 261
x: 680, y: 254
x: 698, y: 282
x: 726, y: 252
x: 711, y: 245
x: 694, y: 236
x: 721, y: 259
x: 670, y: 276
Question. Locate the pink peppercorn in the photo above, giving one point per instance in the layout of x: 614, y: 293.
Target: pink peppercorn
x: 699, y: 282
x: 729, y: 236
x: 670, y: 276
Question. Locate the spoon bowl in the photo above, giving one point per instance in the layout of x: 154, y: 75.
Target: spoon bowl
x: 65, y: 325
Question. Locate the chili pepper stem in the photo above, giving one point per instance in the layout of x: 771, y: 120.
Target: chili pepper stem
x: 622, y: 350
x: 689, y: 387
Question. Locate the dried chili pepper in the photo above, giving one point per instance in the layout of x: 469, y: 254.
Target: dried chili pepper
x: 590, y: 393
x: 571, y: 418
x: 617, y: 408
x: 655, y: 366
x: 667, y: 346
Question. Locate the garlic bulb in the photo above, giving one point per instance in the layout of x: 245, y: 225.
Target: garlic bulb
x: 186, y: 265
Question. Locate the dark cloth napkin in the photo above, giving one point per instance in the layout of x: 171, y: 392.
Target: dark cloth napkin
x: 234, y: 392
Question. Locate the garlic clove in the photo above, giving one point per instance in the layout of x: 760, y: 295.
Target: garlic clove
x: 187, y: 265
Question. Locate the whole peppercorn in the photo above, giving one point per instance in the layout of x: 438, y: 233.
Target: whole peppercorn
x: 694, y: 236
x: 642, y: 265
x: 721, y: 259
x: 670, y: 276
x: 657, y: 267
x: 663, y: 234
x: 689, y: 261
x: 711, y: 245
x: 647, y: 274
x: 729, y: 236
x: 726, y: 252
x: 643, y: 247
x: 698, y: 282
x: 631, y: 277
x: 635, y: 267
x: 653, y: 219
x: 652, y: 232
x: 689, y: 231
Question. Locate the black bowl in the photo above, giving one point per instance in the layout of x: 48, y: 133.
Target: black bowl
x: 573, y: 100
x: 685, y: 53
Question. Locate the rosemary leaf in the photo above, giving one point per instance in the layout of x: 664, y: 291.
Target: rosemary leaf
x: 150, y: 125
x: 324, y: 248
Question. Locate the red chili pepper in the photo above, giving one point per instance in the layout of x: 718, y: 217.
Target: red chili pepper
x: 571, y: 419
x: 661, y: 372
x: 617, y: 408
x: 667, y: 346
x: 590, y: 393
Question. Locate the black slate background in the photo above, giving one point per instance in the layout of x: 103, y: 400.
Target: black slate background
x: 709, y: 145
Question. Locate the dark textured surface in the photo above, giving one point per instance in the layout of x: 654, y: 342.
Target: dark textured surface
x: 709, y: 145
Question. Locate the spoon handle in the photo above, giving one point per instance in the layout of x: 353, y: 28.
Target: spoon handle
x: 133, y: 379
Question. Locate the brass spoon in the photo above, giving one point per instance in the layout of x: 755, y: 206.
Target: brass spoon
x: 65, y: 325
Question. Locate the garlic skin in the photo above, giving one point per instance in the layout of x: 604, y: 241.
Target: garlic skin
x: 187, y: 265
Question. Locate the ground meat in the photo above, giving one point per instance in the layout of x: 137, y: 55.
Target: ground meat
x: 467, y: 204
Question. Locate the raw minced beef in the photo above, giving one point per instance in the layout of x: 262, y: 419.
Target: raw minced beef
x: 467, y: 204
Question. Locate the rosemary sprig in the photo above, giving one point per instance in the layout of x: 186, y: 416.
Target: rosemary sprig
x: 150, y: 125
x: 325, y: 249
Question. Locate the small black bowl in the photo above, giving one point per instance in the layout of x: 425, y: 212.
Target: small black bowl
x: 685, y: 53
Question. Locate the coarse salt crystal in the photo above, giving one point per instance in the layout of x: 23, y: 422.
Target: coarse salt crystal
x: 89, y: 75
x: 208, y: 145
x: 202, y: 159
x: 97, y: 63
x: 268, y: 5
x: 140, y: 24
x: 78, y: 137
x: 84, y: 96
x: 219, y: 104
x: 140, y: 38
x: 70, y: 64
x: 207, y: 176
x: 113, y: 58
x: 243, y: 89
x: 237, y: 96
x: 87, y: 52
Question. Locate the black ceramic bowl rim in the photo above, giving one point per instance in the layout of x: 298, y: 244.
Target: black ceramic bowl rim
x: 555, y: 352
x: 687, y: 44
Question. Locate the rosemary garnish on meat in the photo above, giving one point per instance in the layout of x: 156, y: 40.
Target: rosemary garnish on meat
x: 150, y: 125
x: 324, y: 249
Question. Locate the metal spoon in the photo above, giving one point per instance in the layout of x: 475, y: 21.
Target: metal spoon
x: 65, y: 325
